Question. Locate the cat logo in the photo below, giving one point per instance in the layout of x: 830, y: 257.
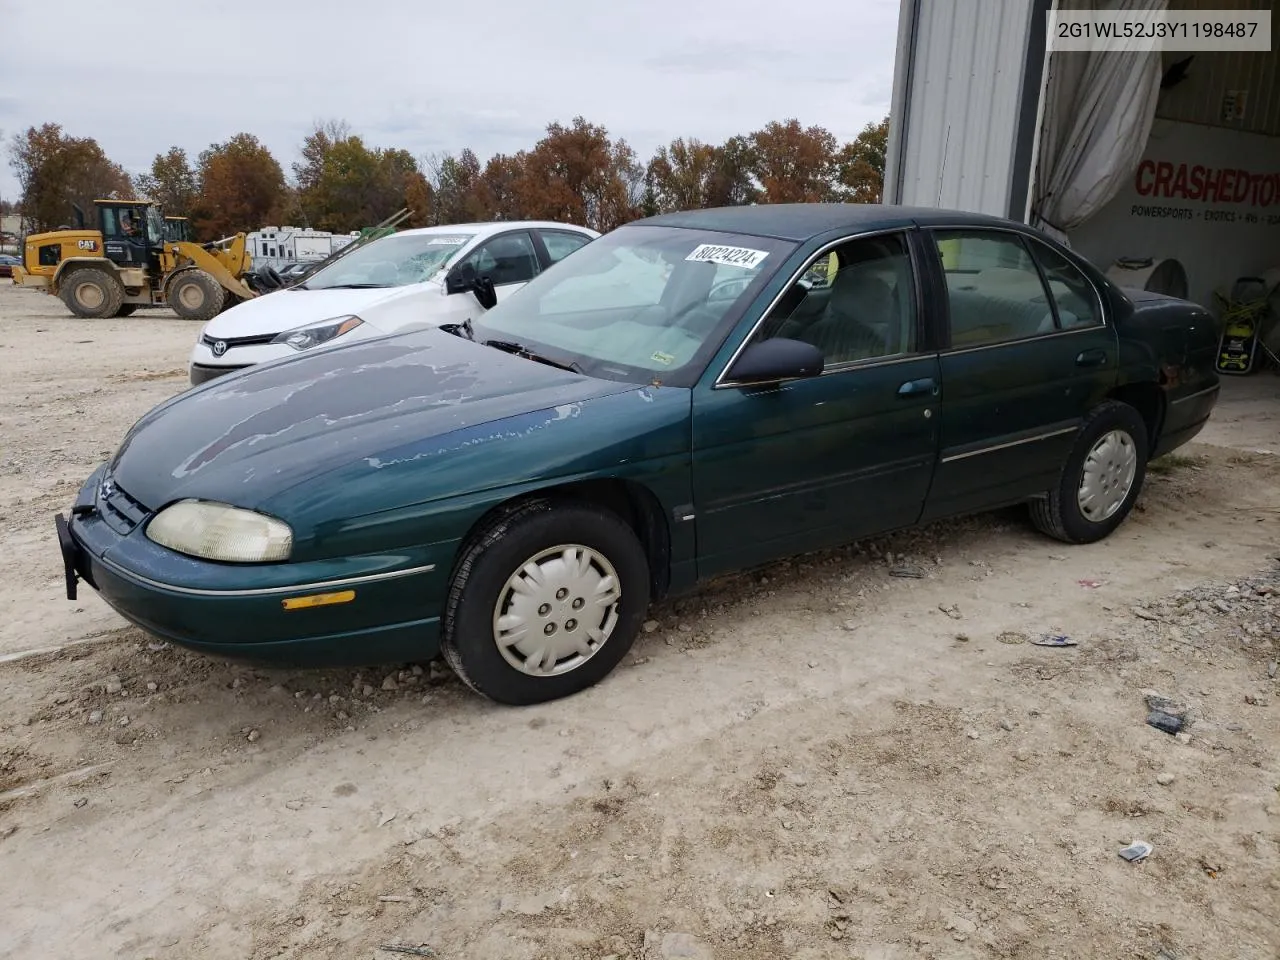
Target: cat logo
x: 87, y: 244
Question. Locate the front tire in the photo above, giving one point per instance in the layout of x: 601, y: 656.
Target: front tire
x: 92, y: 294
x: 1101, y: 478
x: 546, y: 600
x: 194, y: 295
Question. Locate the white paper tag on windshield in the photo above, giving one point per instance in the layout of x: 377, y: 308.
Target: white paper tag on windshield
x: 743, y: 257
x: 447, y: 241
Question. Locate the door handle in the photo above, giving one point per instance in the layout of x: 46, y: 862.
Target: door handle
x: 1091, y: 358
x: 914, y: 388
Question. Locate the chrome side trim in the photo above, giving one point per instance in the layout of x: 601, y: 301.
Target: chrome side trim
x: 905, y: 229
x: 1199, y: 393
x: 955, y: 352
x: 267, y: 591
x: 1012, y: 443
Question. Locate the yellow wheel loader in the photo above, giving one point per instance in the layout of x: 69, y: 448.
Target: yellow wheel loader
x: 130, y: 261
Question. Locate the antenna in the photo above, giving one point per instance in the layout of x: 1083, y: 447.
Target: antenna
x: 942, y: 174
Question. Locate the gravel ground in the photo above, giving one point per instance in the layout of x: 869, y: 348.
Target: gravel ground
x: 819, y: 759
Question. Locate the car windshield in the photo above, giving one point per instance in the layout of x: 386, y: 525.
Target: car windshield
x: 394, y: 261
x: 640, y: 303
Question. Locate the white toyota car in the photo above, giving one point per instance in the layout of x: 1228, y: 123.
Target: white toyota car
x: 426, y: 277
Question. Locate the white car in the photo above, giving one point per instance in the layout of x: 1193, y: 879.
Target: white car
x: 414, y: 278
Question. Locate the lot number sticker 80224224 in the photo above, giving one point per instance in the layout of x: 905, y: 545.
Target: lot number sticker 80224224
x: 743, y: 257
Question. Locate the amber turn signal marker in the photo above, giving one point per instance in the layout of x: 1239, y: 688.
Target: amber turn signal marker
x: 318, y: 600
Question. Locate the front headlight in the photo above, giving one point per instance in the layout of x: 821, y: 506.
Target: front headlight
x: 314, y: 334
x: 217, y: 531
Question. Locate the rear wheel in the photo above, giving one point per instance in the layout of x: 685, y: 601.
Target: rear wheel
x: 545, y: 602
x: 194, y: 295
x: 1101, y: 479
x: 91, y: 293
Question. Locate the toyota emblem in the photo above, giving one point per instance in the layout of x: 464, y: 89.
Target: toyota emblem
x: 219, y: 348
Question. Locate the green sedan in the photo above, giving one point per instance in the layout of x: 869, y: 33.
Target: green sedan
x: 689, y: 395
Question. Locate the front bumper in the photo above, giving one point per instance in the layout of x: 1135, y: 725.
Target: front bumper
x: 238, y: 610
x: 202, y: 373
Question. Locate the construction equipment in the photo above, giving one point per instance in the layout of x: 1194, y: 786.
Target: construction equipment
x: 130, y: 262
x: 177, y: 229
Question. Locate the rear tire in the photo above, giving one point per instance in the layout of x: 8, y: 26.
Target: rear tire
x: 92, y: 294
x: 194, y: 295
x: 1101, y: 478
x: 546, y: 600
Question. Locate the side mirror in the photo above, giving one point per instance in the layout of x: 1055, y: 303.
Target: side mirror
x: 460, y: 279
x: 463, y: 278
x: 768, y: 361
x: 485, y: 293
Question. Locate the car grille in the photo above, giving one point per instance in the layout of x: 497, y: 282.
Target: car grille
x: 253, y: 341
x: 119, y: 511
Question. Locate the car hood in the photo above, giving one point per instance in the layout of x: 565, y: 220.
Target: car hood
x: 249, y: 435
x: 285, y: 309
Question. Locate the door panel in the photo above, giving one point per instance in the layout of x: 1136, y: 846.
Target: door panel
x: 793, y: 466
x: 1017, y: 383
x: 811, y: 463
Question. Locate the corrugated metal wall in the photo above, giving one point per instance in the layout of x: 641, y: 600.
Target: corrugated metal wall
x: 957, y: 148
x: 1199, y: 98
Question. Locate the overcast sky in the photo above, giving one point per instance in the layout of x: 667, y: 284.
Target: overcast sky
x: 141, y: 75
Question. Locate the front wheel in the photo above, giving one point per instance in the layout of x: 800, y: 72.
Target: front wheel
x: 546, y: 600
x: 91, y: 293
x: 194, y: 295
x: 1101, y: 478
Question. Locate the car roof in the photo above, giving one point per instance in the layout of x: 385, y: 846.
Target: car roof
x: 800, y: 221
x: 484, y: 229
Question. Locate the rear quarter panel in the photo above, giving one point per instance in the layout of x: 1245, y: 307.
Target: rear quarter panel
x: 1173, y: 344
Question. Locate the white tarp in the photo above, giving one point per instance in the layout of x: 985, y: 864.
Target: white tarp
x: 1098, y: 109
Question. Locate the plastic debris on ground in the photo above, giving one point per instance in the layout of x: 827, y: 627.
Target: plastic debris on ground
x: 1138, y: 850
x: 1053, y: 640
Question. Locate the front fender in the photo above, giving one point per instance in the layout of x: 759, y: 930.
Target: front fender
x: 433, y: 490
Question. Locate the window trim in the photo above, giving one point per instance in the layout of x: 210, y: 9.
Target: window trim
x: 949, y: 350
x: 1044, y: 273
x: 485, y: 241
x: 906, y: 231
x: 544, y: 252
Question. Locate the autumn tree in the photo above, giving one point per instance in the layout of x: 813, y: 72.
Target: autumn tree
x: 794, y: 164
x: 504, y: 182
x: 860, y: 164
x: 681, y: 176
x: 172, y: 183
x: 733, y: 183
x: 343, y: 184
x: 577, y: 174
x: 457, y: 188
x: 241, y: 187
x: 58, y: 173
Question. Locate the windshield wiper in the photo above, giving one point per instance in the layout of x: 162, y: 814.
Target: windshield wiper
x: 519, y: 349
x: 351, y: 286
x: 463, y: 329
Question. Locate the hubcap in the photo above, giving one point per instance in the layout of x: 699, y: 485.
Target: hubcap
x: 90, y: 296
x: 1108, y: 475
x: 191, y: 296
x: 556, y: 612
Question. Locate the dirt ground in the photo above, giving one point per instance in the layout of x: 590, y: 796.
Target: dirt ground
x: 822, y: 759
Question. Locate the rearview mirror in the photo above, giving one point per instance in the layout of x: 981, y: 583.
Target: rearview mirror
x: 768, y: 361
